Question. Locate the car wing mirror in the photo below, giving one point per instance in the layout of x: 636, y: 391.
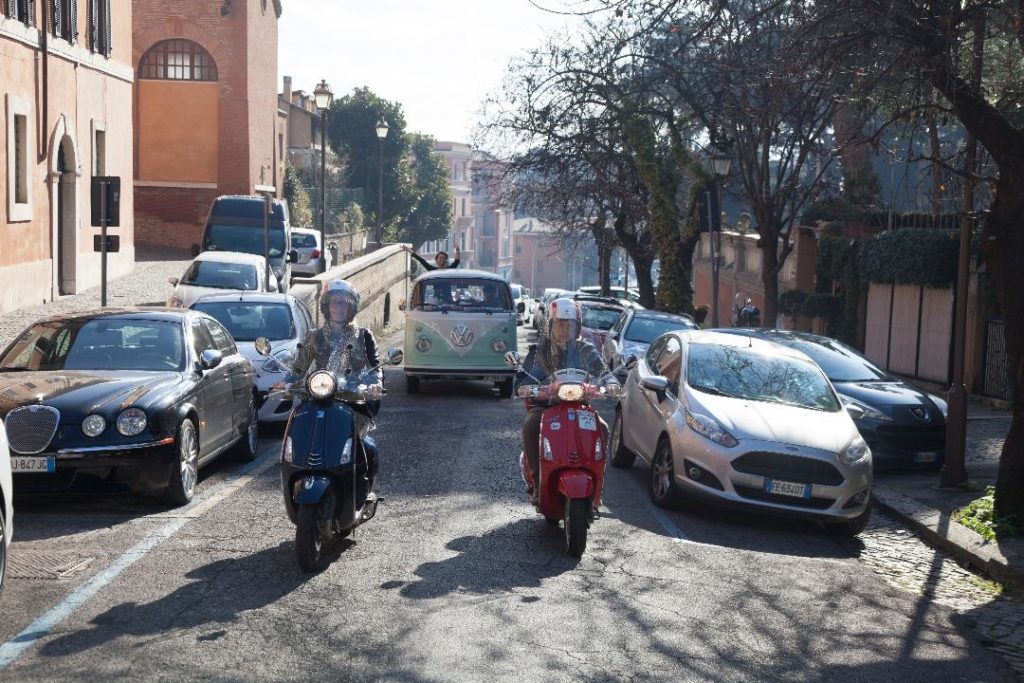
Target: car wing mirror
x: 172, y: 281
x: 655, y: 383
x: 263, y: 346
x: 210, y: 358
x: 395, y: 356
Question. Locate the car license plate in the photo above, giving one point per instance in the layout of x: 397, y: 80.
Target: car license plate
x: 47, y: 465
x: 787, y: 488
x: 587, y: 421
x: 926, y: 457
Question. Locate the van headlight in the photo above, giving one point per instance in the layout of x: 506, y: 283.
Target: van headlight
x: 322, y: 384
x: 131, y: 422
x: 499, y: 346
x: 855, y: 453
x: 423, y: 344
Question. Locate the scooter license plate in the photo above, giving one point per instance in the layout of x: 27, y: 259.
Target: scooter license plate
x: 588, y: 421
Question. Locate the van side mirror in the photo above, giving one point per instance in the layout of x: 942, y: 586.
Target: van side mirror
x: 293, y: 256
x: 195, y: 250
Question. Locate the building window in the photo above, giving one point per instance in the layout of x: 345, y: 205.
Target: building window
x: 99, y: 27
x: 65, y: 19
x: 22, y: 10
x: 540, y: 266
x: 519, y: 249
x: 19, y: 159
x: 463, y: 206
x: 178, y: 60
x: 99, y: 152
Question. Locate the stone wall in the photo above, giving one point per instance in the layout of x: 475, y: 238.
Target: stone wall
x: 382, y: 279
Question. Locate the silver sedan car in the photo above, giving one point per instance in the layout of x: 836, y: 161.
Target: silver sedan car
x: 744, y: 422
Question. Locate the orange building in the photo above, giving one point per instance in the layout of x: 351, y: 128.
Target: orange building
x: 65, y: 98
x: 206, y: 111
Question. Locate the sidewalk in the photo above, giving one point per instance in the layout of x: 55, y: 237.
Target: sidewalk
x: 146, y: 285
x: 916, y: 500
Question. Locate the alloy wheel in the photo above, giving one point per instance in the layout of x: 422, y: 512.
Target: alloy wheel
x: 662, y: 473
x: 189, y: 460
x: 253, y: 430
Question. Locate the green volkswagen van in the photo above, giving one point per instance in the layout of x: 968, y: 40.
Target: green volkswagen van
x: 458, y: 326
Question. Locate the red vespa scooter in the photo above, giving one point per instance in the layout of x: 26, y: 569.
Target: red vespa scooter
x: 572, y: 450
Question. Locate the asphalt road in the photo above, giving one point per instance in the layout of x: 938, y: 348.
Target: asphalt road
x: 456, y: 579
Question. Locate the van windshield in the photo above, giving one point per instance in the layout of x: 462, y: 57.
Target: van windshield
x: 245, y: 238
x: 463, y: 294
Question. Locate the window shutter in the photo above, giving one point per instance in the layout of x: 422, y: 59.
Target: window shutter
x: 94, y: 25
x: 72, y: 9
x: 30, y: 12
x: 58, y: 26
x: 107, y: 41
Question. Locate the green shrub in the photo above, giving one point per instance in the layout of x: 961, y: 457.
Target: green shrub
x: 979, y: 515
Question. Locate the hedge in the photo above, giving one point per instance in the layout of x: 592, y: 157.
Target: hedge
x: 911, y: 257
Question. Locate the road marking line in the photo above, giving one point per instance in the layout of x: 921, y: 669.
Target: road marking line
x: 664, y: 520
x: 42, y: 626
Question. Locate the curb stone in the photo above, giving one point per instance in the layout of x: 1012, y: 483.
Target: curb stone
x: 940, y: 530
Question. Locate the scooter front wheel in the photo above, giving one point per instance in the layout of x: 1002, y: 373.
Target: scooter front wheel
x: 309, y: 542
x: 577, y: 520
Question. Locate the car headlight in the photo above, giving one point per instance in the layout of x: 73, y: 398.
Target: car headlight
x: 856, y: 452
x: 571, y: 392
x: 346, y: 453
x: 322, y: 384
x: 499, y: 346
x: 710, y: 429
x: 279, y: 361
x: 869, y: 412
x: 423, y: 344
x: 94, y: 425
x: 131, y: 422
x: 287, y: 455
x: 941, y: 404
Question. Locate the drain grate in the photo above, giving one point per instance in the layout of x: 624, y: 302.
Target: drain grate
x: 45, y: 566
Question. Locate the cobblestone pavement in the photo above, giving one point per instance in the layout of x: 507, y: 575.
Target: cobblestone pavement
x: 147, y: 284
x: 907, y: 563
x: 985, y: 439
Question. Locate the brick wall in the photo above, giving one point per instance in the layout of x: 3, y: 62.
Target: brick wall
x: 171, y: 217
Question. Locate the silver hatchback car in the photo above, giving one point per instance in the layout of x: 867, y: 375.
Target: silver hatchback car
x: 744, y: 422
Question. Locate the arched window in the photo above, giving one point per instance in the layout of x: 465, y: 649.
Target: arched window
x: 178, y: 60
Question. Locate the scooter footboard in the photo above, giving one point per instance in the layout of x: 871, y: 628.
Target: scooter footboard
x: 311, y: 489
x: 576, y: 484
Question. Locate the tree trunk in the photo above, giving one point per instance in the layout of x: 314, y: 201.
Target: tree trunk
x: 605, y: 257
x: 642, y: 261
x: 770, y: 279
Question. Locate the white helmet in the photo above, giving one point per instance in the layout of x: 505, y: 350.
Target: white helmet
x: 569, y: 311
x: 344, y: 290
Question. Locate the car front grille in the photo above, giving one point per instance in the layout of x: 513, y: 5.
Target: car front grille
x: 759, y: 494
x: 915, y: 439
x: 30, y: 428
x: 788, y: 468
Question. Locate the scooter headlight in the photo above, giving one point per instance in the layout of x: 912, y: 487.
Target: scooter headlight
x: 322, y: 384
x: 287, y: 455
x: 548, y: 455
x: 571, y: 392
x: 346, y: 453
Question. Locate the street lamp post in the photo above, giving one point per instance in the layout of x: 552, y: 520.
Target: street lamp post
x: 382, y: 132
x: 323, y: 97
x: 720, y: 163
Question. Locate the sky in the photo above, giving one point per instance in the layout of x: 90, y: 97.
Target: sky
x: 438, y: 58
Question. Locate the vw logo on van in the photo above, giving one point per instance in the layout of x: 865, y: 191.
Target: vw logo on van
x: 461, y: 335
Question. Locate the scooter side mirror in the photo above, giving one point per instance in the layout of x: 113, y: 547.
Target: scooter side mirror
x: 630, y: 362
x: 395, y: 356
x: 263, y: 346
x: 512, y: 359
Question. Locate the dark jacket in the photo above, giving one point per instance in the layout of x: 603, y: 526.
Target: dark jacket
x: 544, y: 359
x: 432, y: 266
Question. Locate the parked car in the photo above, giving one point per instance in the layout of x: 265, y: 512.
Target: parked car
x: 282, y: 319
x: 599, y: 314
x: 215, y: 271
x: 453, y: 331
x: 616, y: 292
x: 312, y: 257
x: 141, y: 396
x: 634, y: 331
x: 6, y: 504
x: 521, y: 304
x: 904, y: 426
x: 236, y: 223
x: 744, y: 422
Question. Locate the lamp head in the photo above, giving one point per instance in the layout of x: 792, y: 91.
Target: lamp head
x: 382, y: 129
x: 323, y: 95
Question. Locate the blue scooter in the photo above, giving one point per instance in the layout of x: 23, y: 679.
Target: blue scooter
x: 327, y: 471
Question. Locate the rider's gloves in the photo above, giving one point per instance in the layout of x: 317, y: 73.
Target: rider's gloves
x: 374, y: 392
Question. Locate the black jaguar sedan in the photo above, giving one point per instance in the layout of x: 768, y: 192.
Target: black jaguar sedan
x: 904, y: 426
x: 140, y: 396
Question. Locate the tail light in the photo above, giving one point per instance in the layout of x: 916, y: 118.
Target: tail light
x: 315, y: 254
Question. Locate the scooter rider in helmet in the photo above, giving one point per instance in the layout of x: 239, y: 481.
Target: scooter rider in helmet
x: 343, y: 347
x: 562, y: 348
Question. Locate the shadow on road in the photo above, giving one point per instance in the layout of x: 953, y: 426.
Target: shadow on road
x: 217, y: 593
x: 473, y: 569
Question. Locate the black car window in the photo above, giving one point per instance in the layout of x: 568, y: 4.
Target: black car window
x: 301, y: 240
x: 244, y: 238
x: 669, y: 360
x: 643, y: 329
x: 221, y: 338
x: 246, y: 321
x: 839, y: 362
x: 98, y: 344
x: 201, y: 338
x: 221, y: 275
